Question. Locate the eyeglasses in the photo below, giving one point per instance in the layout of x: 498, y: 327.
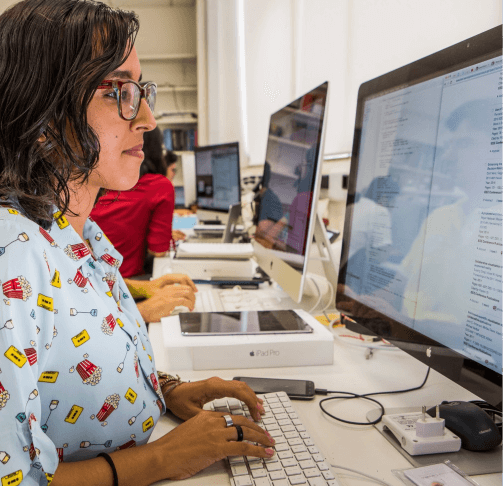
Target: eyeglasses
x: 129, y: 95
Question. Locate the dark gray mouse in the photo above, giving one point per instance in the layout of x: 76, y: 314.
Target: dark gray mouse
x: 471, y: 424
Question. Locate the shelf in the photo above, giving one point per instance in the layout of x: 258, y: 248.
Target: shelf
x: 177, y: 120
x: 302, y: 113
x: 169, y: 89
x: 167, y: 57
x: 285, y: 141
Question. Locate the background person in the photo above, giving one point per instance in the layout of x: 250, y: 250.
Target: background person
x: 78, y: 373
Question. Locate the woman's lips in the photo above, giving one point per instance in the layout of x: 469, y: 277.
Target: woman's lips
x: 135, y: 151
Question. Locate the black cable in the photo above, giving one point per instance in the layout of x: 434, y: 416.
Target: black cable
x: 366, y: 397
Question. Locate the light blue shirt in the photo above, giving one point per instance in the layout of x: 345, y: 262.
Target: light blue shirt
x: 77, y: 374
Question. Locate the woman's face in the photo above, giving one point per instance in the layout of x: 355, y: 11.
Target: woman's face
x: 171, y: 172
x: 121, y: 141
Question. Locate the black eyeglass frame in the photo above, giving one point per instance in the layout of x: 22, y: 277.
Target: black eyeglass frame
x: 116, y: 85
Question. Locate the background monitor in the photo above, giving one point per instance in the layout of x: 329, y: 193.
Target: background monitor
x: 218, y: 183
x: 421, y: 260
x: 184, y: 181
x: 285, y: 211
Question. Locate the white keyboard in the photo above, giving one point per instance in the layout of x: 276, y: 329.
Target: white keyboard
x: 297, y: 459
x: 230, y: 300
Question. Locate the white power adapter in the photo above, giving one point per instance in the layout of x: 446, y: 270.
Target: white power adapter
x: 418, y: 433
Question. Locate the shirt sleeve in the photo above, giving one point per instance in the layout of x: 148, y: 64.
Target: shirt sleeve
x: 26, y: 332
x: 159, y: 230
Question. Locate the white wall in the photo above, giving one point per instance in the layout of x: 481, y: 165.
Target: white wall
x: 293, y: 45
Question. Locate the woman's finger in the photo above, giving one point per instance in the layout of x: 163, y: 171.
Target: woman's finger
x: 247, y: 449
x: 250, y: 434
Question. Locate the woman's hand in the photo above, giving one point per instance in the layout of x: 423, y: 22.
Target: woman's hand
x: 162, y: 303
x: 204, y: 439
x: 178, y: 235
x: 148, y: 288
x: 187, y: 400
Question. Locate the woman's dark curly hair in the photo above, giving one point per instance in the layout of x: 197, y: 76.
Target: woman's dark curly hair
x: 53, y: 55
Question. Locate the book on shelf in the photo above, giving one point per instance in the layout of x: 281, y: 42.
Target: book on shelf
x: 179, y: 139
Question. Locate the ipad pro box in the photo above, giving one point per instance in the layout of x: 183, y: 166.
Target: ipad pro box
x: 247, y: 351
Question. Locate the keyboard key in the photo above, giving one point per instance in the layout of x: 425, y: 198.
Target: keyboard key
x: 318, y: 482
x: 276, y: 433
x: 255, y: 465
x: 292, y: 435
x: 274, y: 466
x: 289, y: 462
x: 262, y: 482
x: 305, y: 435
x: 328, y: 475
x: 318, y: 457
x: 285, y: 454
x: 300, y: 428
x: 292, y: 471
x: 281, y: 482
x: 270, y: 395
x: 234, y: 404
x: 272, y: 400
x: 283, y: 419
x: 282, y: 447
x: 268, y: 421
x: 308, y: 464
x: 274, y: 475
x: 308, y: 442
x: 294, y: 442
x: 288, y: 428
x: 270, y: 427
x: 236, y: 459
x: 259, y: 473
x: 313, y: 449
x: 243, y: 481
x: 322, y: 466
x: 298, y: 479
x: 312, y: 473
x: 299, y: 448
x: 302, y: 456
x: 239, y: 469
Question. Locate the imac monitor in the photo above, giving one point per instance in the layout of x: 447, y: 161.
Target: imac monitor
x: 218, y: 183
x: 285, y: 209
x: 421, y: 260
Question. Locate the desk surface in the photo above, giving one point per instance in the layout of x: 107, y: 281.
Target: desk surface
x: 358, y: 447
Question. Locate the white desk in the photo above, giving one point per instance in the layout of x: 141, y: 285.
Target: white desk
x: 358, y: 447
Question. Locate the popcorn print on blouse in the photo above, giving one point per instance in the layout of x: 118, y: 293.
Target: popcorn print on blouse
x: 4, y: 397
x: 88, y: 371
x: 79, y: 280
x: 110, y: 405
x: 74, y: 312
x: 110, y: 280
x: 85, y: 444
x: 17, y: 288
x: 52, y: 406
x: 108, y: 325
x: 77, y: 251
x: 113, y: 262
x: 7, y: 325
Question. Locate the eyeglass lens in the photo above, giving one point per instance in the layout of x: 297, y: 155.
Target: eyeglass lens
x: 131, y: 96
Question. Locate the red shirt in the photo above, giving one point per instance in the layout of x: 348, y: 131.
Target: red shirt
x: 138, y: 219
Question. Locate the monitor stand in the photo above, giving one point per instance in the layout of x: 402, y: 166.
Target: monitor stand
x: 325, y: 257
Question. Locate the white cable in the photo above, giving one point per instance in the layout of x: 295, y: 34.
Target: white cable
x: 377, y: 480
x: 319, y: 294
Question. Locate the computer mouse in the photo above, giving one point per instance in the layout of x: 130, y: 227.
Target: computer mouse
x: 470, y: 423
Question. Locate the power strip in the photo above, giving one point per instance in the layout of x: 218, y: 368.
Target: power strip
x: 418, y: 433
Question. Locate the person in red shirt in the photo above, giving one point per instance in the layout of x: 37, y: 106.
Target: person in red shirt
x: 138, y: 223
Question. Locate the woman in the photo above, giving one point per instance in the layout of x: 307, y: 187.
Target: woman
x: 78, y: 376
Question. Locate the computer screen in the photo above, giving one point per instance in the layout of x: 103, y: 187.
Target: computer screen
x: 218, y: 183
x: 179, y: 196
x: 286, y: 205
x: 422, y: 248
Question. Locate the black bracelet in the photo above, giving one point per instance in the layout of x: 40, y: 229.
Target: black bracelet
x: 107, y: 458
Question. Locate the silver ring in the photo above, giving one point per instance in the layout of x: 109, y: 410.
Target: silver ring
x: 228, y: 421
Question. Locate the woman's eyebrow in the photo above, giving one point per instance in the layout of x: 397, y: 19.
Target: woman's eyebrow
x: 122, y: 74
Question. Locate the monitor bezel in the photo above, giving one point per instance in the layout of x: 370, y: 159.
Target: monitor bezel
x: 208, y: 148
x: 290, y: 279
x: 463, y: 54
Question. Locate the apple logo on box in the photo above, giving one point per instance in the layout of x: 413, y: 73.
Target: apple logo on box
x: 252, y: 353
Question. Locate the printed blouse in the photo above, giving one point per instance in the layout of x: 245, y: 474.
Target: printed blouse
x: 77, y: 374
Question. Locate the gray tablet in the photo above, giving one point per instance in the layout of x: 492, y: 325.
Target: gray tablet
x: 244, y: 322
